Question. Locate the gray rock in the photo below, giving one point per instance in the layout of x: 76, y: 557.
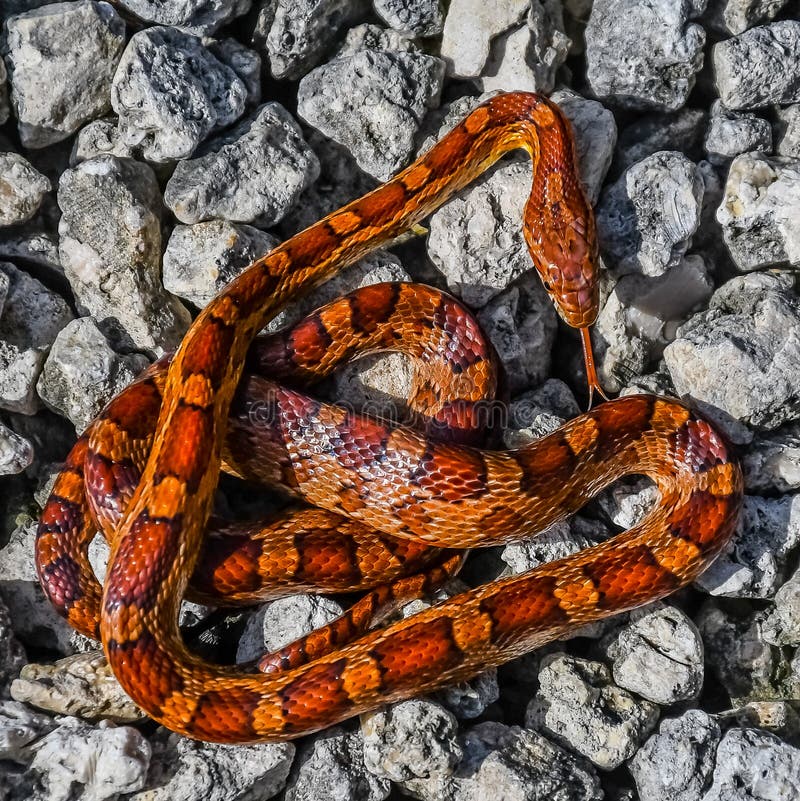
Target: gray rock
x: 12, y: 655
x: 331, y: 765
x: 579, y: 706
x: 742, y: 355
x: 787, y: 131
x: 373, y: 103
x: 61, y: 59
x: 410, y: 740
x: 595, y: 134
x: 281, y: 622
x: 296, y: 35
x: 771, y: 462
x: 22, y: 189
x: 736, y: 16
x: 16, y: 453
x: 20, y: 728
x: 731, y: 133
x: 196, y: 16
x: 641, y: 316
x: 81, y: 685
x: 646, y: 219
x: 526, y: 58
x: 510, y: 763
x: 521, y: 323
x: 677, y: 761
x: 476, y: 239
x: 647, y: 134
x: 759, y: 67
x: 470, y: 26
x: 82, y: 372
x: 104, y: 761
x: 186, y: 770
x: 31, y: 317
x: 100, y: 138
x: 411, y: 17
x: 253, y: 173
x: 201, y: 259
x: 244, y: 61
x: 170, y: 92
x: 754, y: 564
x: 110, y: 247
x: 658, y: 654
x: 643, y: 55
x: 542, y: 410
x: 782, y: 624
x: 754, y: 764
x: 759, y: 211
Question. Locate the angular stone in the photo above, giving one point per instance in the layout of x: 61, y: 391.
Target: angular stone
x: 676, y: 762
x: 730, y: 133
x: 507, y: 762
x: 742, y: 355
x: 61, y: 59
x: 760, y: 67
x: 195, y: 16
x: 201, y: 259
x: 31, y: 317
x: 643, y: 55
x: 296, y: 34
x: 171, y: 92
x: 110, y: 247
x: 22, y: 189
x: 82, y: 372
x: 760, y: 210
x: 470, y: 26
x: 646, y: 219
x: 253, y: 173
x: 411, y: 17
x: 578, y: 705
x: 373, y: 103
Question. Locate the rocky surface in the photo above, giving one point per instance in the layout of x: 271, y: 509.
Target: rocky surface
x: 150, y: 151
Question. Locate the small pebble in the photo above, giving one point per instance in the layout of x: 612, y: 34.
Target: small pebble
x: 22, y: 189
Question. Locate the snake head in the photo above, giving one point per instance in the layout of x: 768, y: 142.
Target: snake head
x: 566, y: 259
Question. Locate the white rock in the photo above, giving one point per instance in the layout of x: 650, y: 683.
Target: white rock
x: 578, y: 705
x: 110, y: 247
x: 22, y: 189
x: 31, y: 317
x: 61, y: 59
x: 759, y: 67
x: 254, y: 173
x: 643, y: 54
x: 373, y: 103
x: 760, y: 210
x: 82, y: 372
x: 470, y: 26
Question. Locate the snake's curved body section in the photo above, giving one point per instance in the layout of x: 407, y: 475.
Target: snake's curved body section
x: 401, y: 482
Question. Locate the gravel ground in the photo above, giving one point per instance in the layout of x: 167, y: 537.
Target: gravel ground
x: 149, y: 151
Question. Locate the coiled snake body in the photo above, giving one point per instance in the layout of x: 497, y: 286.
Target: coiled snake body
x: 411, y: 488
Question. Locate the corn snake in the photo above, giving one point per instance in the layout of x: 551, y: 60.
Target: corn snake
x: 397, y: 480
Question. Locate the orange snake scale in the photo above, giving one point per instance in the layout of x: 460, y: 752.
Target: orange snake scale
x: 145, y: 472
